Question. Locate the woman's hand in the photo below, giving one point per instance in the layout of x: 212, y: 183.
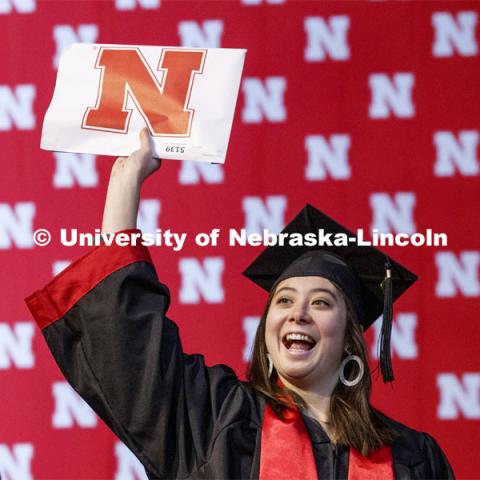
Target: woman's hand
x: 140, y: 164
x: 126, y: 179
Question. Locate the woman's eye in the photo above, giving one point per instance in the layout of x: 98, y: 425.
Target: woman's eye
x: 283, y: 300
x: 320, y: 301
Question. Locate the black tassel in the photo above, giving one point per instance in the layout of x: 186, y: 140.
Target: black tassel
x: 386, y: 332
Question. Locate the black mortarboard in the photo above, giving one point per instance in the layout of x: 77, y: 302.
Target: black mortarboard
x: 369, y: 278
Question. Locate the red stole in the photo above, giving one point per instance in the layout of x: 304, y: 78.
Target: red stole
x: 286, y: 452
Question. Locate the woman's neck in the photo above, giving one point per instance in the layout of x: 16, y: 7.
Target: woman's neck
x: 317, y: 397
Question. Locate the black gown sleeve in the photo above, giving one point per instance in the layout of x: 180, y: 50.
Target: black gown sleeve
x: 104, y: 321
x: 437, y: 465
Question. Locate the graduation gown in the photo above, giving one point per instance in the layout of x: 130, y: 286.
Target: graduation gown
x: 104, y: 319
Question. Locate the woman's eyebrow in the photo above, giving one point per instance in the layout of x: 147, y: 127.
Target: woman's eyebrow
x: 324, y: 290
x: 313, y: 290
x: 286, y: 288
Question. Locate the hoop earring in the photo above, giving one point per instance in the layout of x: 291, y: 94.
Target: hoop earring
x: 270, y: 365
x: 361, y: 371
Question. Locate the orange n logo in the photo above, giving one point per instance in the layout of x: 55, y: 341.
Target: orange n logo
x: 163, y: 106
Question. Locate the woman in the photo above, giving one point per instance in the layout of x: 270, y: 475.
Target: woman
x: 104, y: 321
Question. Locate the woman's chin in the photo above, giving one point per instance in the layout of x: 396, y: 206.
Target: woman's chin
x: 297, y: 372
x: 299, y: 365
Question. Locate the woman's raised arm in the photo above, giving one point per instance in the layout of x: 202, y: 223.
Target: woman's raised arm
x: 104, y: 320
x: 126, y: 179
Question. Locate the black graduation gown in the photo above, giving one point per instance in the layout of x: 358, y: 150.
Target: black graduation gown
x: 104, y: 321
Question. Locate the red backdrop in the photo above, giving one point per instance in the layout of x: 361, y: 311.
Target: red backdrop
x: 368, y: 110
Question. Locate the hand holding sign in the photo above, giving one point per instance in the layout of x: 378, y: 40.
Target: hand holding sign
x: 141, y: 164
x: 105, y: 94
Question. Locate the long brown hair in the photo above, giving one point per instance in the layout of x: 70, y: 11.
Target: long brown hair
x: 353, y: 420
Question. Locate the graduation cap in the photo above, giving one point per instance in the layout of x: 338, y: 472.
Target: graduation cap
x: 369, y: 278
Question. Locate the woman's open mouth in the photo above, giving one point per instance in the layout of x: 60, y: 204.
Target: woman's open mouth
x: 298, y: 342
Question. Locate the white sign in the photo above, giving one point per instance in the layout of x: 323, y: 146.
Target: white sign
x: 105, y: 94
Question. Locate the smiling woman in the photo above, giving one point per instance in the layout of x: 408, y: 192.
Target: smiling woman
x: 305, y: 412
x: 306, y: 331
x: 310, y: 356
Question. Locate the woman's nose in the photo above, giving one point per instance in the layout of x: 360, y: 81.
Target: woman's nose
x: 300, y: 315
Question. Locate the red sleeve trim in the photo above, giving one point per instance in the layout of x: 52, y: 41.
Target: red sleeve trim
x: 53, y: 301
